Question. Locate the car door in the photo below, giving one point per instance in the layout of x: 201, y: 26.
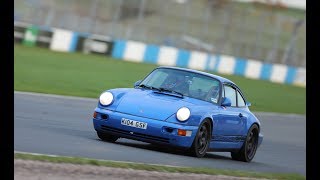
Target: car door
x: 231, y: 120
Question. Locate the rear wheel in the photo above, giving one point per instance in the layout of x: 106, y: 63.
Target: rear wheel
x: 201, y: 141
x: 249, y: 147
x: 107, y: 137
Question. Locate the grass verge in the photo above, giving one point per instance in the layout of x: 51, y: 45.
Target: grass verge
x: 41, y: 70
x: 160, y: 168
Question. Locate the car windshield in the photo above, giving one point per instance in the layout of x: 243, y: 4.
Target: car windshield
x: 182, y: 82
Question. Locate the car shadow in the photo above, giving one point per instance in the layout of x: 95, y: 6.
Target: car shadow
x: 169, y: 150
x: 180, y: 152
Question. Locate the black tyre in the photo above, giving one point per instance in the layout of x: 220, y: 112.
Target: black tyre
x: 107, y: 137
x: 249, y: 147
x: 202, y: 139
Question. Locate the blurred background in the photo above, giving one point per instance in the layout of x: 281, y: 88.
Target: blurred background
x: 82, y: 47
x: 272, y: 31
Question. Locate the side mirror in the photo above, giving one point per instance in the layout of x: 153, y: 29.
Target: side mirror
x: 226, y: 102
x: 248, y: 104
x: 136, y: 83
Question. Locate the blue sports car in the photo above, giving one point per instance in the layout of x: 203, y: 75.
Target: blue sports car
x: 184, y: 108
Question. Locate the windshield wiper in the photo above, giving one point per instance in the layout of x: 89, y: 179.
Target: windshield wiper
x: 148, y: 87
x: 171, y: 91
x: 144, y: 86
x: 160, y: 89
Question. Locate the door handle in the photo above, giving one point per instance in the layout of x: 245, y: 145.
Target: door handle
x: 240, y: 115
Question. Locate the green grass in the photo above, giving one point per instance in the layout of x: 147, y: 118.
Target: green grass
x: 161, y: 168
x: 76, y: 74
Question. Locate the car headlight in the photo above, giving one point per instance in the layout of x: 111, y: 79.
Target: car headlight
x: 183, y: 114
x: 106, y: 98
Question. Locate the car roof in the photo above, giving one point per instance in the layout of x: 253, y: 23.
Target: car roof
x: 222, y: 79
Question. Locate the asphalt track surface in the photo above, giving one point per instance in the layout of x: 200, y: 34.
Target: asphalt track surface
x: 61, y: 125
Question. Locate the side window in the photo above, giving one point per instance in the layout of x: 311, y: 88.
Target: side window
x: 231, y: 94
x: 241, y: 102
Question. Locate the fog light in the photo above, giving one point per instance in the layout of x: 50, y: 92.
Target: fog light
x: 104, y: 116
x: 182, y: 132
x: 95, y: 114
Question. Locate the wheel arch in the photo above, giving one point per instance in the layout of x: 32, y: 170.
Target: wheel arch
x: 252, y: 119
x: 255, y: 123
x: 211, y: 123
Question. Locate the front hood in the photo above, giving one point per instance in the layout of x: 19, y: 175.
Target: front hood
x: 149, y: 104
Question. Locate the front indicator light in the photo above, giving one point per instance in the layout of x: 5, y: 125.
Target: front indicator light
x: 182, y: 132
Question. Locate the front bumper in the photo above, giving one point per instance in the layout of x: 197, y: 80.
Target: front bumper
x: 160, y: 132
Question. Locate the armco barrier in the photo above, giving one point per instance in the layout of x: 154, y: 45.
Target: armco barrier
x: 31, y: 35
x: 61, y: 40
x: 224, y: 64
x: 68, y: 41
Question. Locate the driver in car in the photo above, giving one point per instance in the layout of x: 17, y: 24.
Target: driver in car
x: 179, y: 83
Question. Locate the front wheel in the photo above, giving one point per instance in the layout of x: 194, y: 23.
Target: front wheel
x: 107, y: 137
x: 201, y: 141
x: 249, y: 147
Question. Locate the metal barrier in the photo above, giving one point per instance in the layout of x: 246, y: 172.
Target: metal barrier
x: 69, y: 41
x: 61, y: 40
x: 164, y: 55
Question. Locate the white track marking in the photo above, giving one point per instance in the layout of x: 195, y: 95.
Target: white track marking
x: 56, y: 96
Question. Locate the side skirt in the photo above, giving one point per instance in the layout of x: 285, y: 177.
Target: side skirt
x: 226, y: 143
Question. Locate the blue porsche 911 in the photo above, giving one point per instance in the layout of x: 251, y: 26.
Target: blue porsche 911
x: 184, y: 108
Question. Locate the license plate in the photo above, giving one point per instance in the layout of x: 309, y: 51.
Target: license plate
x: 132, y: 123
